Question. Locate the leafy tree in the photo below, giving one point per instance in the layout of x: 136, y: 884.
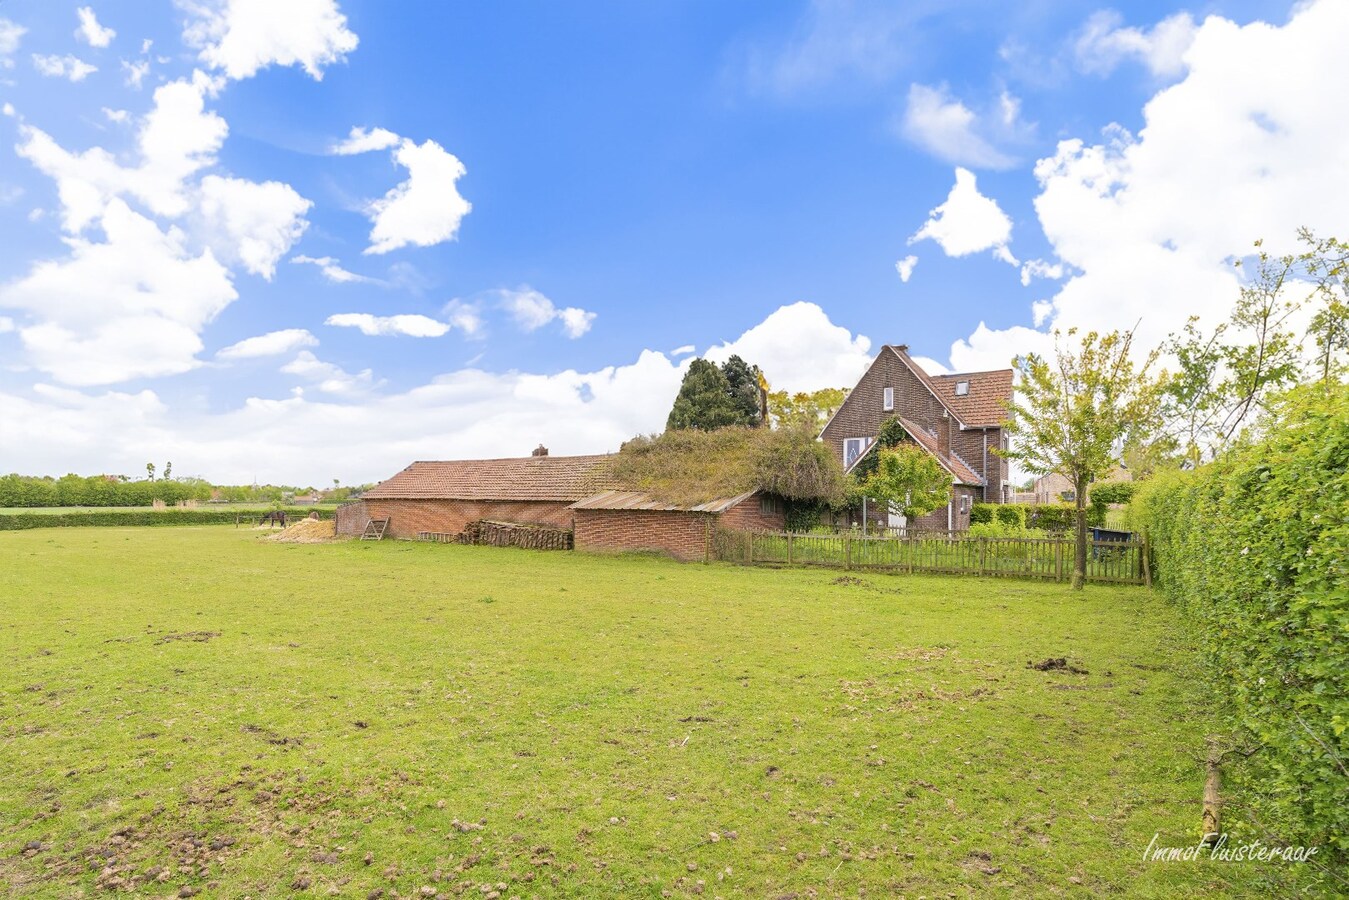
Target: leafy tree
x: 891, y: 434
x: 1078, y: 410
x: 714, y: 397
x: 811, y: 409
x: 908, y: 478
x: 168, y: 470
x: 150, y: 471
x: 747, y: 389
x: 1228, y: 376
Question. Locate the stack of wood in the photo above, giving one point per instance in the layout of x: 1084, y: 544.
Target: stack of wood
x: 514, y: 534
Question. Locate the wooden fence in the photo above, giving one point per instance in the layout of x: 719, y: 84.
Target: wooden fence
x: 1108, y: 562
x: 510, y: 534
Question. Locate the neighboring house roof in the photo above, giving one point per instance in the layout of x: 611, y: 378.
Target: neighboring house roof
x: 961, y: 472
x: 552, y: 478
x: 643, y: 500
x: 983, y: 405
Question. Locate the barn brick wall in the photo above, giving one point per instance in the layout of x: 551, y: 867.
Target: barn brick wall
x: 408, y: 517
x: 682, y: 535
x: 351, y: 517
x: 748, y: 515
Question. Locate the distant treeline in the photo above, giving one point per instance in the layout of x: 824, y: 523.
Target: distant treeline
x: 111, y: 490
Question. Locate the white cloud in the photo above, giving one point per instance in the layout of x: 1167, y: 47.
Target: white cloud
x: 1103, y: 44
x: 905, y: 267
x: 255, y: 224
x: 129, y: 307
x: 329, y: 377
x: 241, y: 37
x: 92, y: 33
x: 364, y: 140
x: 135, y: 72
x: 8, y: 110
x: 799, y: 349
x: 1039, y: 268
x: 425, y: 209
x: 684, y: 350
x: 117, y: 116
x: 949, y: 130
x: 930, y: 365
x: 6, y: 325
x: 68, y: 66
x: 531, y: 311
x: 461, y: 414
x: 968, y: 222
x: 10, y: 37
x: 410, y: 325
x: 465, y: 316
x: 1240, y: 149
x: 274, y: 343
x: 331, y: 269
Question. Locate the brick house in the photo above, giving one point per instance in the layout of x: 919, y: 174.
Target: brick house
x: 632, y: 520
x: 957, y: 418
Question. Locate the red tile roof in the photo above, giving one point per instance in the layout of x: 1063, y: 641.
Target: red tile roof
x: 643, y: 500
x: 983, y: 405
x: 961, y: 472
x: 556, y: 478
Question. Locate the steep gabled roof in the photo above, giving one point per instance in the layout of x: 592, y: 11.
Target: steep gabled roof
x: 961, y: 472
x: 983, y: 406
x: 549, y: 478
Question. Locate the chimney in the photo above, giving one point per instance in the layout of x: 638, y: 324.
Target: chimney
x: 539, y: 451
x: 944, y: 434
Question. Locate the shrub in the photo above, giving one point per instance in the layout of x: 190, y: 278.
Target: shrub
x: 123, y: 517
x: 1254, y: 548
x: 982, y: 513
x: 1011, y: 515
x: 1004, y: 530
x: 1112, y: 492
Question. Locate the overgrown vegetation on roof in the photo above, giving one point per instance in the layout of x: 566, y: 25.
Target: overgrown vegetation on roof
x: 691, y: 466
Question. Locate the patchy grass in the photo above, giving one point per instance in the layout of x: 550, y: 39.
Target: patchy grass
x: 198, y: 709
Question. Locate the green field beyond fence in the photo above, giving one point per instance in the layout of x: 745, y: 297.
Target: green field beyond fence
x: 1108, y: 562
x: 72, y: 517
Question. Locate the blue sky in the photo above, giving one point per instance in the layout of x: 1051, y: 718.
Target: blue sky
x: 181, y: 227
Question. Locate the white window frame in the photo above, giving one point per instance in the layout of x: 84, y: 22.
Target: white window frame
x: 888, y: 399
x: 962, y: 388
x: 862, y: 443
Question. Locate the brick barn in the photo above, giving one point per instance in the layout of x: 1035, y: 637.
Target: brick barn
x: 443, y: 496
x: 617, y: 520
x: 571, y: 492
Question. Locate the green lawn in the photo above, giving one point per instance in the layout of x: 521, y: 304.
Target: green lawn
x: 197, y: 707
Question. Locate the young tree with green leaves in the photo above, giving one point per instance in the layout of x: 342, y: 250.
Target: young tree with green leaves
x: 909, y: 479
x: 1078, y: 411
x: 811, y: 410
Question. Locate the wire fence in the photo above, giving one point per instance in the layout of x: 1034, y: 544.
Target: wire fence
x: 1108, y: 562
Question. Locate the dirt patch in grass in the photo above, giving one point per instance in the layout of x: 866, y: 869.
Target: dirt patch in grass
x: 199, y: 637
x: 1056, y: 664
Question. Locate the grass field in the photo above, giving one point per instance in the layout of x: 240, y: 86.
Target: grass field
x: 196, y: 709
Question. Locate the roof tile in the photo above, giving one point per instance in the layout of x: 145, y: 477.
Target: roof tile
x: 554, y: 478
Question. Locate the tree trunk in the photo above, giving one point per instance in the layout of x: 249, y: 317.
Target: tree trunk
x: 1080, y: 564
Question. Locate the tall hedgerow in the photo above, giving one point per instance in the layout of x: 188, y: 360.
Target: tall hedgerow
x: 1254, y: 548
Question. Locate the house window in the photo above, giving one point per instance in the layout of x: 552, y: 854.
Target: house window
x: 853, y: 448
x: 962, y: 388
x: 888, y: 399
x: 964, y: 503
x: 770, y: 505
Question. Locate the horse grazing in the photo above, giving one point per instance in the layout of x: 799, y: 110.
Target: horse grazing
x: 276, y: 517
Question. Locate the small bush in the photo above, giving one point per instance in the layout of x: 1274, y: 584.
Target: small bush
x: 1003, y: 530
x: 1112, y: 492
x: 1010, y: 514
x: 982, y: 513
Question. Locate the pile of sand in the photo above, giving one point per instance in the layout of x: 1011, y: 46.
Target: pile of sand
x: 307, y: 531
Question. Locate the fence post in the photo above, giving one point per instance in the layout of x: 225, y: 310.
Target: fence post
x: 789, y: 548
x: 1147, y: 566
x: 1058, y: 560
x: 983, y: 553
x: 847, y: 552
x: 749, y: 547
x: 707, y: 539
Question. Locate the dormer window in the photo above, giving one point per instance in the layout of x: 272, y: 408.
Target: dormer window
x: 888, y: 399
x: 962, y: 388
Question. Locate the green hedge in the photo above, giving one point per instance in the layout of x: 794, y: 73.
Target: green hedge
x: 982, y: 513
x: 1044, y: 516
x: 20, y: 521
x: 1112, y: 492
x: 1255, y: 548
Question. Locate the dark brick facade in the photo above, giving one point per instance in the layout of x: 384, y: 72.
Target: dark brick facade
x: 679, y: 533
x: 862, y: 413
